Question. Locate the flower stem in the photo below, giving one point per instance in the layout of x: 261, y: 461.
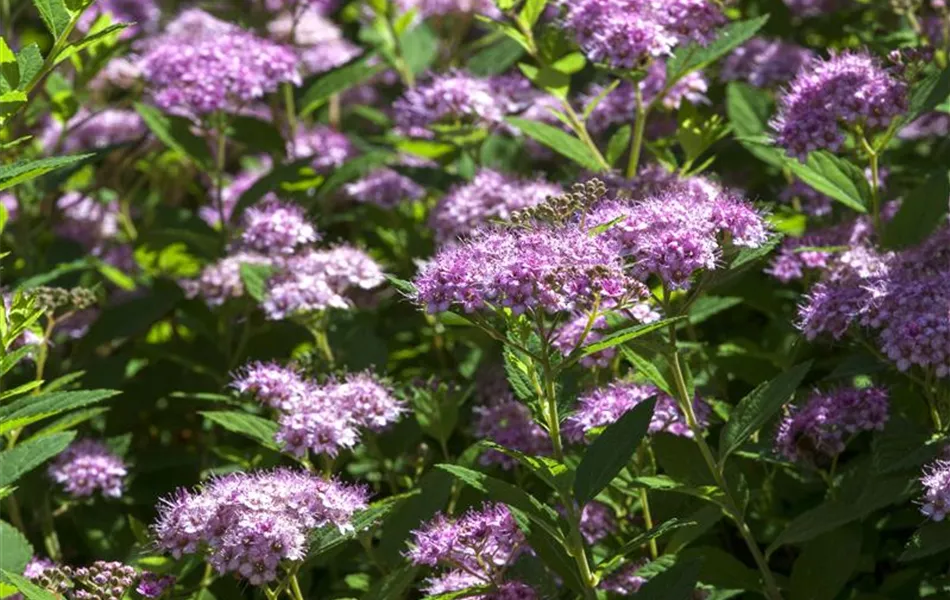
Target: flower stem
x: 686, y: 404
x: 219, y: 162
x: 295, y: 592
x: 873, y: 157
x: 639, y: 126
x: 648, y: 521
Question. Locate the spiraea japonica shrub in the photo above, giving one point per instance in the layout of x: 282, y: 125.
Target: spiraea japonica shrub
x: 492, y: 299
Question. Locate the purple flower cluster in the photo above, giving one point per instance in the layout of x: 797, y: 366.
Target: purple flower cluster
x: 152, y: 585
x: 597, y: 522
x: 142, y: 16
x: 489, y: 196
x: 823, y: 425
x: 813, y: 8
x: 680, y: 231
x: 315, y: 280
x: 603, y: 406
x: 276, y: 228
x: 569, y: 336
x: 619, y: 106
x: 627, y: 34
x: 508, y: 422
x: 93, y: 130
x: 87, y: 221
x: 232, y: 192
x: 248, y: 523
x: 319, y: 42
x: 328, y: 147
x: 87, y: 466
x: 447, y: 99
x: 442, y: 8
x: 849, y: 89
x: 475, y: 549
x: 323, y: 418
x: 99, y: 581
x: 627, y: 581
x: 221, y: 280
x: 385, y: 188
x: 543, y: 268
x: 936, y: 481
x: 902, y: 298
x: 197, y: 76
x: 765, y: 63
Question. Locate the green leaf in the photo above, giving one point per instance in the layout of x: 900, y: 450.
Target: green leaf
x: 758, y: 407
x: 921, y: 212
x: 676, y: 583
x: 618, y: 144
x: 30, y: 63
x: 31, y: 409
x: 260, y: 430
x: 9, y: 70
x: 501, y: 491
x: 559, y: 141
x: 548, y: 470
x: 20, y: 389
x: 877, y: 493
x: 30, y: 590
x: 927, y: 94
x: 630, y: 333
x: 287, y: 173
x: 518, y: 373
x: 431, y: 496
x: 748, y: 109
x: 106, y: 35
x: 495, y: 59
x: 550, y: 550
x: 10, y: 359
x: 351, y: 170
x: 55, y: 15
x: 707, y: 307
x: 70, y: 420
x: 255, y: 277
x: 254, y: 133
x: 11, y: 101
x: 826, y: 564
x: 23, y: 458
x: 635, y: 543
x: 405, y: 287
x: 17, y: 551
x: 339, y: 80
x: 825, y: 172
x: 930, y: 539
x: 611, y: 451
x: 694, y: 56
x: 532, y: 11
x: 26, y: 170
x: 420, y: 47
x: 175, y: 132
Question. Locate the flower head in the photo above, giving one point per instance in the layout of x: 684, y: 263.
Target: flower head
x: 936, y: 481
x: 604, y: 406
x: 274, y: 227
x: 88, y: 466
x: 153, y: 585
x: 508, y: 422
x: 221, y: 281
x: 385, y: 188
x: 249, y: 522
x: 274, y: 385
x: 216, y: 72
x: 489, y: 195
x: 848, y: 89
x: 765, y: 63
x: 446, y: 99
x: 820, y: 428
x: 93, y: 130
x: 141, y: 16
x: 328, y: 147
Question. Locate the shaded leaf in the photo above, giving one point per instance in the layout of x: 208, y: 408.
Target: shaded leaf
x: 693, y: 56
x: 930, y: 539
x: 26, y: 170
x: 611, y: 451
x: 29, y: 410
x: 16, y: 550
x: 23, y: 458
x: 921, y: 212
x: 559, y: 141
x: 260, y: 430
x: 826, y: 564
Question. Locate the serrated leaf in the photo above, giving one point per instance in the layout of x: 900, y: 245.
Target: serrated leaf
x: 16, y: 550
x: 495, y: 59
x: 329, y: 537
x: 255, y: 277
x: 694, y: 56
x: 339, y: 80
x: 55, y: 15
x: 70, y: 420
x: 758, y: 407
x: 20, y: 389
x: 826, y: 564
x: 29, y: 62
x: 405, y: 287
x: 676, y: 583
x: 647, y: 369
x: 611, y: 451
x: 23, y: 458
x: 548, y: 470
x: 27, y: 170
x: 930, y: 539
x: 518, y: 375
x: 635, y: 543
x: 30, y: 590
x: 877, y: 493
x: 747, y: 108
x: 618, y: 144
x: 96, y: 37
x: 419, y: 47
x: 921, y: 212
x: 630, y: 333
x: 559, y: 141
x: 394, y: 585
x: 260, y: 430
x: 13, y: 357
x: 27, y: 411
x: 9, y: 70
x: 550, y: 550
x: 175, y: 132
x: 926, y: 95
